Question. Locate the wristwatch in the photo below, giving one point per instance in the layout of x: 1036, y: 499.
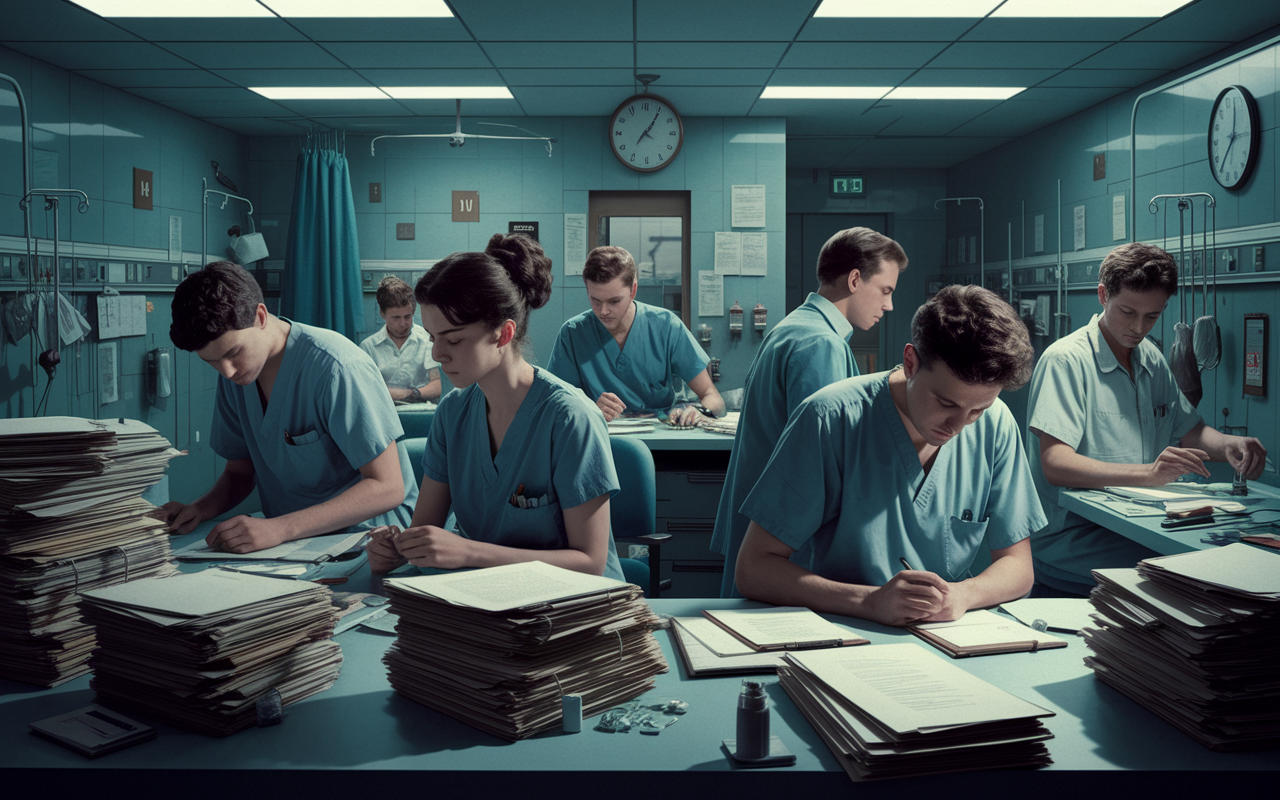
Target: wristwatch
x: 415, y: 396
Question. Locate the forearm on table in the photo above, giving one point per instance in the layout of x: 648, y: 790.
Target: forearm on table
x: 1009, y: 576
x: 1064, y: 467
x: 767, y: 574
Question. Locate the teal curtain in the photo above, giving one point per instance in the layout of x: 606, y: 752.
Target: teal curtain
x: 322, y: 262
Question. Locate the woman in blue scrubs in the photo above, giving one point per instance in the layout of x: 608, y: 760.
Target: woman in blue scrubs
x: 521, y: 457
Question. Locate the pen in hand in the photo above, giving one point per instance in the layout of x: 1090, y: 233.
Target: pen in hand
x: 904, y: 563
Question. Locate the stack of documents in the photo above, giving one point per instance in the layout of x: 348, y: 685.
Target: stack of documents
x: 892, y: 710
x: 984, y: 633
x: 497, y: 648
x: 71, y: 519
x: 198, y: 651
x: 1193, y: 638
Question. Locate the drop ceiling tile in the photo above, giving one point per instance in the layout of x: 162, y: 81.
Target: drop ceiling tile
x: 249, y: 55
x: 42, y: 21
x: 100, y: 55
x: 345, y: 108
x: 126, y: 78
x: 1033, y: 29
x: 433, y: 77
x: 259, y: 126
x: 578, y: 101
x: 1009, y: 55
x: 409, y: 55
x: 707, y: 101
x: 932, y: 118
x: 847, y: 55
x: 568, y: 20
x: 657, y: 56
x: 541, y: 55
x: 1213, y: 20
x: 710, y: 77
x: 1151, y: 55
x: 839, y: 77
x: 830, y: 123
x: 470, y: 108
x: 292, y: 77
x: 839, y: 29
x: 1118, y: 78
x: 430, y: 29
x: 258, y: 29
x: 249, y: 107
x: 570, y: 77
x: 980, y: 77
x: 750, y: 21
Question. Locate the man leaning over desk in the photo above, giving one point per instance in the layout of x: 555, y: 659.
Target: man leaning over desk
x: 1105, y: 410
x: 300, y: 414
x: 923, y: 464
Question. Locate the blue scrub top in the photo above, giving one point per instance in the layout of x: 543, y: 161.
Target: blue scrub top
x: 1081, y: 396
x: 846, y: 480
x: 329, y: 415
x: 804, y: 352
x: 659, y: 345
x: 557, y: 448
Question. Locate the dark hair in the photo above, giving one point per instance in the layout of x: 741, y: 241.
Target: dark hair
x: 857, y: 248
x: 393, y: 293
x: 606, y: 263
x: 1140, y: 267
x: 505, y: 282
x: 976, y: 334
x: 219, y: 298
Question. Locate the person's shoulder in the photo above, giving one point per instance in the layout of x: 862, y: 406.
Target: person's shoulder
x: 1074, y: 348
x: 455, y: 401
x: 577, y: 321
x: 657, y: 315
x: 858, y: 391
x: 563, y: 403
x: 325, y: 349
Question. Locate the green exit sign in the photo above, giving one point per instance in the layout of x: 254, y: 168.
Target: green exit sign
x: 847, y: 184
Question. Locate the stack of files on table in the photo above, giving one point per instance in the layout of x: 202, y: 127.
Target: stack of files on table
x: 71, y: 519
x: 198, y: 650
x: 1195, y: 638
x: 497, y: 648
x: 893, y: 710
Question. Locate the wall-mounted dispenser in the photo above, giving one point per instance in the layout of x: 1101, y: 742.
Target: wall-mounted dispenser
x: 704, y: 335
x: 159, y: 373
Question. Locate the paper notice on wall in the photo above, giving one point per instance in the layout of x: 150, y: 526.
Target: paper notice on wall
x: 710, y: 294
x: 755, y: 254
x: 1039, y: 233
x: 175, y: 240
x: 1117, y: 218
x: 728, y: 253
x: 575, y: 244
x: 747, y: 206
x: 108, y: 385
x: 1079, y: 227
x: 122, y: 315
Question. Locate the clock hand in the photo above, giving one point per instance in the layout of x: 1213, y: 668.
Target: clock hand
x: 646, y: 130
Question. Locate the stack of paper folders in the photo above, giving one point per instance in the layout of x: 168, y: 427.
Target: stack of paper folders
x: 893, y: 710
x: 197, y: 651
x: 71, y: 519
x: 497, y: 648
x: 1195, y: 638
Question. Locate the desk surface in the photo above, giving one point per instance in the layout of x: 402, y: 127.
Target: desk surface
x: 664, y: 438
x: 360, y: 726
x: 1146, y: 530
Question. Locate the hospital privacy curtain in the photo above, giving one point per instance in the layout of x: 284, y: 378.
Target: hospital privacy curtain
x: 322, y: 262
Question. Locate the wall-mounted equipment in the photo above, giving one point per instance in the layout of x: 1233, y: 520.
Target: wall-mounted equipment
x: 51, y: 357
x: 246, y: 252
x: 704, y: 335
x: 735, y: 318
x: 458, y: 138
x: 1255, y: 355
x: 713, y: 369
x: 848, y: 185
x: 159, y: 374
x: 759, y: 317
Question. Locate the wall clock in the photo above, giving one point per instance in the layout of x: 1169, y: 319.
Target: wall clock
x: 1233, y: 137
x: 645, y: 133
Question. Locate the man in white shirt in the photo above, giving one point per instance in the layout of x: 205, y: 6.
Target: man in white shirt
x: 401, y: 349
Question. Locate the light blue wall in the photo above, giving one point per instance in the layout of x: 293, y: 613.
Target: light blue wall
x: 1171, y: 158
x: 99, y: 134
x: 518, y: 181
x: 908, y: 196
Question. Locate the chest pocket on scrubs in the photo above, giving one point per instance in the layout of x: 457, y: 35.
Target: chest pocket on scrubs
x: 962, y: 542
x: 540, y: 528
x: 309, y: 461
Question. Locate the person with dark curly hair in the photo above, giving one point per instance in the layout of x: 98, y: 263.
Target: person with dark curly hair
x: 522, y: 457
x: 301, y: 414
x: 920, y: 467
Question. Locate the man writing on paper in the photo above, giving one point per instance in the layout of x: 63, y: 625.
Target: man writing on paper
x: 401, y: 349
x: 622, y: 353
x: 857, y: 273
x: 922, y: 464
x: 300, y: 413
x: 1105, y: 410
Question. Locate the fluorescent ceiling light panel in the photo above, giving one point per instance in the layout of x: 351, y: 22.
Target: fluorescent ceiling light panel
x: 448, y: 92
x: 897, y: 9
x: 386, y: 9
x: 175, y: 8
x: 319, y: 92
x: 954, y: 92
x: 1131, y: 9
x: 824, y: 92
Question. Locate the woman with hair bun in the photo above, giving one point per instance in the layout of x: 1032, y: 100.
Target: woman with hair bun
x: 521, y: 457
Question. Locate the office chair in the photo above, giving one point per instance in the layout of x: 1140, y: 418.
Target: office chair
x: 633, y: 513
x: 415, y: 447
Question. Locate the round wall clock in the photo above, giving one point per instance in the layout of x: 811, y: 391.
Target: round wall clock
x: 1233, y: 137
x: 645, y: 132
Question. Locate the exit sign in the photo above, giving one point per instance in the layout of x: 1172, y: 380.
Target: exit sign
x: 847, y: 184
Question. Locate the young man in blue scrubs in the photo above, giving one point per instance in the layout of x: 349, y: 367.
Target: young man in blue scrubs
x: 301, y: 413
x: 857, y: 273
x: 401, y: 349
x: 622, y: 353
x: 922, y: 465
x: 1105, y: 410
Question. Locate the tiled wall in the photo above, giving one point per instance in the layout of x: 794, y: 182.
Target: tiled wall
x: 518, y: 181
x: 1171, y: 158
x: 96, y: 135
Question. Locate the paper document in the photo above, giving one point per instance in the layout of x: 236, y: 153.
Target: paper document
x: 708, y: 649
x: 782, y: 628
x: 198, y: 594
x: 983, y: 632
x: 311, y: 550
x: 1059, y: 613
x: 909, y: 689
x: 507, y: 587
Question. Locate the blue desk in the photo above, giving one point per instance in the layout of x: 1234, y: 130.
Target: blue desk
x: 359, y: 736
x: 1147, y: 532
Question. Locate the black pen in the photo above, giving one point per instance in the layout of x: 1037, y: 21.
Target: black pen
x: 905, y: 565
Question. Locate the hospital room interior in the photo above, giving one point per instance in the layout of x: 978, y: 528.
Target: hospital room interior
x: 326, y: 153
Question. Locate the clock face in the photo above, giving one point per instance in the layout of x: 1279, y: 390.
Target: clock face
x: 645, y: 133
x: 1233, y: 137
